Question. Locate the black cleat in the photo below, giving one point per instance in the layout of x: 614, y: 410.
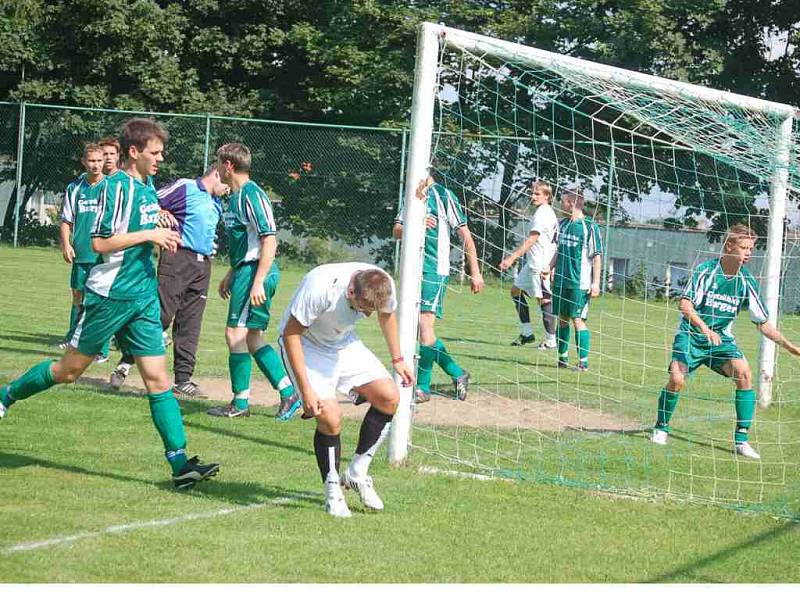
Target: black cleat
x: 188, y: 389
x: 229, y: 410
x: 289, y: 407
x: 193, y: 472
x: 562, y: 364
x: 461, y: 386
x: 523, y: 339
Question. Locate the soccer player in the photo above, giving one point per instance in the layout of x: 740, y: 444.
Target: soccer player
x: 718, y: 289
x: 577, y: 265
x: 325, y: 356
x: 249, y: 286
x: 443, y: 215
x: 77, y: 222
x: 121, y: 298
x: 533, y: 278
x: 110, y: 147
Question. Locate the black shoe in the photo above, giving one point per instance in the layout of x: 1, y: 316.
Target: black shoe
x: 461, y: 385
x: 188, y: 389
x: 229, y: 410
x: 562, y: 364
x: 524, y: 339
x: 192, y: 472
x: 289, y: 406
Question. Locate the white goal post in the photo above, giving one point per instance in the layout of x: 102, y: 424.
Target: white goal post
x: 431, y: 40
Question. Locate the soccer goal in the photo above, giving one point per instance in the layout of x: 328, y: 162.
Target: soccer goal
x: 664, y: 169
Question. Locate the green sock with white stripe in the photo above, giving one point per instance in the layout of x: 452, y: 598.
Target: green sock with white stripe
x: 745, y: 404
x: 667, y: 403
x: 35, y: 380
x: 240, y: 366
x: 166, y: 416
x: 446, y: 361
x: 582, y: 341
x: 563, y: 342
x: 427, y: 356
x: 271, y: 365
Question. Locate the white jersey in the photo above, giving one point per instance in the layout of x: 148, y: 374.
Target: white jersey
x: 545, y: 223
x: 320, y: 303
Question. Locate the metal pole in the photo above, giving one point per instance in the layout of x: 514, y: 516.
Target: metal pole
x: 20, y: 158
x: 400, y: 197
x: 208, y: 141
x: 609, y: 199
x: 772, y: 284
x: 414, y: 210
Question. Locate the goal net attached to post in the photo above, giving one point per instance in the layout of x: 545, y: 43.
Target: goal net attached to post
x: 665, y: 169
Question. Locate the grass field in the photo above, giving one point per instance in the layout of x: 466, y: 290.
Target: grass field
x: 85, y: 496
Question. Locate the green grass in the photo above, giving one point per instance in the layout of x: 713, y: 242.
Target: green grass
x: 75, y: 461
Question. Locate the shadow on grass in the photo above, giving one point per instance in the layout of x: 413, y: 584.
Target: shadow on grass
x: 27, y: 337
x: 51, y: 353
x: 689, y: 569
x: 233, y: 492
x: 307, y: 451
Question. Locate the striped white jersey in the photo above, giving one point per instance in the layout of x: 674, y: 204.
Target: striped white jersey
x: 248, y: 217
x: 545, y: 223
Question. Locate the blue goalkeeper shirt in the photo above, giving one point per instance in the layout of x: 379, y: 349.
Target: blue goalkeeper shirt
x: 196, y: 211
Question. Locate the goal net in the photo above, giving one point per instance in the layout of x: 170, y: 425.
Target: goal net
x: 665, y: 168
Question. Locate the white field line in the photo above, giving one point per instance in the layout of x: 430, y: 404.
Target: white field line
x: 460, y: 474
x: 154, y: 524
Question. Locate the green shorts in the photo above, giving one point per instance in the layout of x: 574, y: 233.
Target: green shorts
x: 79, y: 275
x: 433, y: 289
x: 135, y: 321
x: 240, y: 313
x: 687, y: 350
x: 571, y: 303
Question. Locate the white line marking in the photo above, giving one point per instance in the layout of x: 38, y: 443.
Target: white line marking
x: 461, y: 474
x: 115, y: 529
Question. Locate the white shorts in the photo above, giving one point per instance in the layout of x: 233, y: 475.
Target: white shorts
x: 531, y: 282
x: 332, y: 370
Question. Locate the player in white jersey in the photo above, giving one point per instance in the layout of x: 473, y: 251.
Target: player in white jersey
x: 533, y: 277
x: 323, y: 355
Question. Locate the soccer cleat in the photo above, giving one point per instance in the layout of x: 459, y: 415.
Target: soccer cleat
x: 289, y: 407
x: 582, y: 366
x: 100, y: 359
x: 365, y: 488
x: 229, y: 410
x: 3, y: 409
x: 747, y: 451
x: 659, y: 437
x: 356, y: 398
x: 62, y: 345
x: 421, y: 396
x: 461, y: 386
x: 188, y: 389
x: 192, y: 472
x: 334, y: 501
x: 546, y: 346
x: 118, y: 375
x: 167, y: 339
x: 523, y: 339
x: 562, y: 364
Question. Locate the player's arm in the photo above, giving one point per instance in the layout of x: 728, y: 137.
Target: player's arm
x: 686, y: 307
x: 597, y: 269
x: 292, y: 332
x: 67, y: 251
x: 397, y: 230
x: 526, y: 245
x: 388, y: 325
x: 269, y: 244
x: 476, y: 279
x: 769, y: 330
x: 225, y: 285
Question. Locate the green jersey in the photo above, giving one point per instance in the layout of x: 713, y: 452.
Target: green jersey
x: 444, y: 207
x: 578, y: 243
x: 717, y: 299
x: 248, y: 217
x: 126, y: 206
x: 79, y: 210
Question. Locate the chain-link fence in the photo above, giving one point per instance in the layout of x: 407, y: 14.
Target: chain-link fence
x: 335, y: 189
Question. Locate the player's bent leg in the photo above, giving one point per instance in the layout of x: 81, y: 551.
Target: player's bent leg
x: 523, y: 312
x: 745, y: 405
x: 328, y: 451
x: 668, y: 401
x: 270, y: 364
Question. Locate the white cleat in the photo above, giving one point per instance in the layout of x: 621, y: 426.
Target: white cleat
x: 747, y: 451
x: 365, y: 488
x: 334, y: 501
x: 659, y: 437
x: 2, y: 410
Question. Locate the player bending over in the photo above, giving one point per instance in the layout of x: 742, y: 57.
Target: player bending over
x: 718, y: 289
x: 576, y: 278
x: 325, y: 356
x: 121, y: 298
x: 443, y: 213
x: 533, y: 278
x: 250, y: 285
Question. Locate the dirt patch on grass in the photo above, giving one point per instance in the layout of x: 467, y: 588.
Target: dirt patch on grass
x: 481, y: 409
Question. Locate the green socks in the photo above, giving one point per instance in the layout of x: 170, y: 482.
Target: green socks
x: 240, y: 367
x: 563, y: 342
x: 445, y: 361
x: 582, y: 340
x: 745, y: 403
x: 427, y: 356
x: 35, y: 380
x: 166, y: 416
x: 667, y: 402
x: 271, y: 365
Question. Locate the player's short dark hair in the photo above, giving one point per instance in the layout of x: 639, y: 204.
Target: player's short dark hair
x: 91, y: 147
x: 137, y: 132
x: 577, y: 198
x: 373, y: 287
x: 238, y: 155
x: 109, y: 141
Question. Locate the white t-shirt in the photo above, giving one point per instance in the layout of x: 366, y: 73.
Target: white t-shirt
x: 545, y: 223
x: 320, y: 303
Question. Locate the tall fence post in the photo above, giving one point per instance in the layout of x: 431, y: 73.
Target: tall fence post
x: 20, y: 158
x: 400, y: 197
x: 208, y: 142
x: 609, y: 199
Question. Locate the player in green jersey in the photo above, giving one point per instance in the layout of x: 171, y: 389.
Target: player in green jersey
x: 249, y: 286
x: 121, y: 298
x: 718, y: 289
x: 576, y: 277
x: 444, y: 214
x: 77, y: 221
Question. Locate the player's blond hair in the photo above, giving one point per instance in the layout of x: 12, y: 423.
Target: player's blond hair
x: 91, y: 147
x: 738, y: 232
x: 373, y: 287
x: 545, y: 187
x: 238, y: 155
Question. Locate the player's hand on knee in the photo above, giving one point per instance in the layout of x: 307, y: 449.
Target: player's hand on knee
x: 312, y: 405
